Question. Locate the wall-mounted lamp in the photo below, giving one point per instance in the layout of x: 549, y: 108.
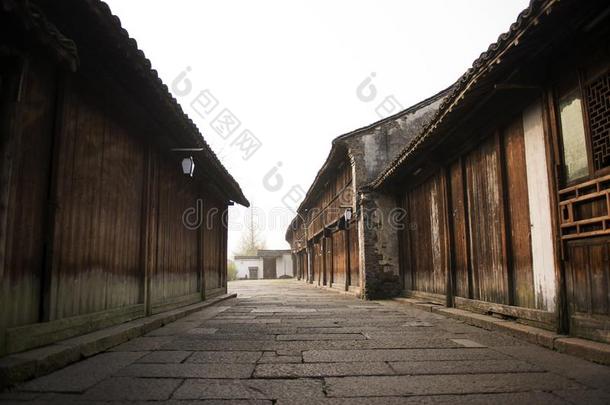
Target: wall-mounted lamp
x: 188, y: 166
x: 348, y: 214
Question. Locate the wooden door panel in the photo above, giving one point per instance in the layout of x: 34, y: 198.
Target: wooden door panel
x: 426, y: 237
x: 328, y: 260
x: 485, y: 213
x: 459, y: 224
x: 354, y: 255
x: 588, y: 288
x: 269, y: 270
x: 339, y: 259
x: 519, y: 237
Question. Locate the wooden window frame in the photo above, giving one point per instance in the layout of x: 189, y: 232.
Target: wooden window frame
x: 580, y: 89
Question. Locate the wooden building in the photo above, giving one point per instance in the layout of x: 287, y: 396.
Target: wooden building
x: 506, y: 190
x: 93, y: 197
x: 337, y: 237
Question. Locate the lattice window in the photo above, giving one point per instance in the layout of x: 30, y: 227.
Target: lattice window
x: 597, y: 94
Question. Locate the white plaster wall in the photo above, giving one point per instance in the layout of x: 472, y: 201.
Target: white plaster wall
x: 284, y: 265
x: 243, y: 264
x: 540, y: 208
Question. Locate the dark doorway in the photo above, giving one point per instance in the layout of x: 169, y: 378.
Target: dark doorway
x: 269, y: 270
x: 253, y: 273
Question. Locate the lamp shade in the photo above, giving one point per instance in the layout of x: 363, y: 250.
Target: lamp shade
x: 348, y: 214
x: 188, y: 166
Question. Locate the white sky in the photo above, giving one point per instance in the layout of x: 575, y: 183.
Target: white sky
x: 289, y: 70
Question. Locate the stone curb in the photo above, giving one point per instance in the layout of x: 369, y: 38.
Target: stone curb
x: 331, y: 289
x: 26, y: 365
x: 587, y: 349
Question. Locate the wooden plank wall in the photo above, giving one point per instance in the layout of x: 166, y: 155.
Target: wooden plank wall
x: 354, y: 255
x: 26, y: 119
x: 332, y: 199
x: 339, y: 258
x: 89, y: 205
x: 213, y: 245
x: 460, y: 237
x: 427, y: 233
x: 540, y: 205
x: 519, y: 235
x: 177, y: 272
x: 99, y: 183
x: 588, y: 287
x: 303, y: 264
x: 317, y: 262
x: 488, y: 245
x: 328, y: 260
x: 483, y: 182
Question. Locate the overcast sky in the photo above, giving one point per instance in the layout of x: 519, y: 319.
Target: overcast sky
x: 289, y: 72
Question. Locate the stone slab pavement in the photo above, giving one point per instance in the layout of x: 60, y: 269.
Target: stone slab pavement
x: 281, y: 342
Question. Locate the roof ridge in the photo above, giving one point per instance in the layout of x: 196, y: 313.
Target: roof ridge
x: 461, y: 85
x: 163, y: 91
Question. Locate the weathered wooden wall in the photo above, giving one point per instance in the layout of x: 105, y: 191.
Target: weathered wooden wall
x: 588, y: 287
x: 26, y: 119
x: 177, y: 273
x: 323, y: 222
x: 519, y: 246
x: 426, y: 213
x: 328, y: 260
x: 354, y: 255
x: 340, y: 253
x: 318, y: 275
x: 469, y: 223
x: 486, y: 218
x: 98, y: 187
x: 214, y: 247
x: 91, y: 210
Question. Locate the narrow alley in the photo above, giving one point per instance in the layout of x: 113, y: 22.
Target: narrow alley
x: 281, y: 342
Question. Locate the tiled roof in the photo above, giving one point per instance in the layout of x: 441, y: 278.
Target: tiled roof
x: 337, y: 146
x: 104, y: 12
x: 480, y: 67
x: 337, y: 142
x: 97, y: 12
x: 33, y: 21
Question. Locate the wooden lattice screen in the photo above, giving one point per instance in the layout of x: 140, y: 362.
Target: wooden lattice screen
x: 585, y: 207
x: 597, y: 94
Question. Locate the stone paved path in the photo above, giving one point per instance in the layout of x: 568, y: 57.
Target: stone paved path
x: 281, y: 342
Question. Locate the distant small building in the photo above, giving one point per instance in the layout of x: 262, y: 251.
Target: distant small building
x: 266, y: 264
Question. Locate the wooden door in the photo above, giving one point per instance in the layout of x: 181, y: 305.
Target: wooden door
x: 328, y: 261
x: 253, y: 273
x: 339, y: 259
x: 520, y: 264
x: 486, y: 221
x: 317, y: 262
x: 426, y: 251
x: 588, y: 288
x: 269, y: 270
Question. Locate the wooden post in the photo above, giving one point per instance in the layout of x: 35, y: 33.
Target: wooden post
x: 201, y: 247
x: 309, y: 263
x: 448, y: 239
x: 553, y: 157
x: 224, y: 232
x: 346, y: 253
x: 504, y: 220
x: 148, y: 258
x: 47, y: 298
x: 408, y: 253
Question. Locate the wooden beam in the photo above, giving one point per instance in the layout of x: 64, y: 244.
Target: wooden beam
x: 448, y: 238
